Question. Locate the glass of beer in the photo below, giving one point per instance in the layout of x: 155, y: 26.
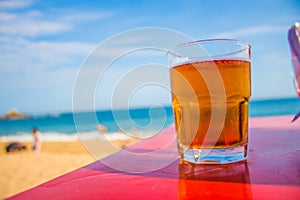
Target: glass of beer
x: 211, y: 87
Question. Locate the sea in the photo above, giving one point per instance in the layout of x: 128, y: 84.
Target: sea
x: 143, y: 121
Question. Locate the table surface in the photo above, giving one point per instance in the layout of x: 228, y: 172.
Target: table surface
x: 152, y: 170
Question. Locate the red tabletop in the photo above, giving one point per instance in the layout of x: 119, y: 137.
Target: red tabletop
x: 272, y: 171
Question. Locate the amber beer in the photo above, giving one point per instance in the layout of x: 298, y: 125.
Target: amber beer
x: 235, y: 74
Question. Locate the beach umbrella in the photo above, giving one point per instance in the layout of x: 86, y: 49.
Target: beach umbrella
x: 294, y: 40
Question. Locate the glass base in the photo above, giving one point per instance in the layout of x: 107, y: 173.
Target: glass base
x: 215, y: 156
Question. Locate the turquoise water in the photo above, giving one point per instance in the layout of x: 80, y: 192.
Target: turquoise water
x: 274, y: 107
x: 63, y: 127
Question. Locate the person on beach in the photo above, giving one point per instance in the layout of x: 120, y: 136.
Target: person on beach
x: 101, y: 128
x: 37, y: 140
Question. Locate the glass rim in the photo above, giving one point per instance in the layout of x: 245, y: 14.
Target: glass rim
x: 247, y: 45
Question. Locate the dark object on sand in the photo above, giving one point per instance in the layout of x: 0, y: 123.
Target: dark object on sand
x: 15, y: 146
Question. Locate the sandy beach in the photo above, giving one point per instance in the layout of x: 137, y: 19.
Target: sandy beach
x: 20, y: 171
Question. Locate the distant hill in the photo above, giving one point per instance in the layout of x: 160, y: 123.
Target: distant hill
x: 14, y: 114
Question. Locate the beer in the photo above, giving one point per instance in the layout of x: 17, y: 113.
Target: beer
x: 191, y: 130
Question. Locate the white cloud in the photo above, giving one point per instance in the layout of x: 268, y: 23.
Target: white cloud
x: 33, y: 23
x: 40, y: 72
x: 5, y: 16
x: 250, y: 31
x: 30, y: 23
x: 34, y: 68
x: 14, y: 4
x: 34, y: 28
x: 16, y: 54
x: 75, y: 16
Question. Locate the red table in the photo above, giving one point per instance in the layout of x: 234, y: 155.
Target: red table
x: 272, y: 171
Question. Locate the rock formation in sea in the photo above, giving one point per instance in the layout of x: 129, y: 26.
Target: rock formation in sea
x: 14, y: 114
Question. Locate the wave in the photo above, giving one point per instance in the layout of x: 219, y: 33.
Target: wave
x: 45, y: 116
x: 57, y: 136
x: 50, y: 136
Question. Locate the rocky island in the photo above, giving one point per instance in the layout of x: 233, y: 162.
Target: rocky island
x: 14, y: 114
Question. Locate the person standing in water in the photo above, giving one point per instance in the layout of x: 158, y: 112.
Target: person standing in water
x: 37, y: 140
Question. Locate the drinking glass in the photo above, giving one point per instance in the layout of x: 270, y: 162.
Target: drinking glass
x: 211, y: 87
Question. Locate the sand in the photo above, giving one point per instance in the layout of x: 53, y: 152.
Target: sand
x: 20, y: 171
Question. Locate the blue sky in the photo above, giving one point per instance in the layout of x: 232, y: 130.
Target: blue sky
x: 44, y: 43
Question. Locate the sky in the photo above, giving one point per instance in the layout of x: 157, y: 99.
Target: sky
x: 44, y: 45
